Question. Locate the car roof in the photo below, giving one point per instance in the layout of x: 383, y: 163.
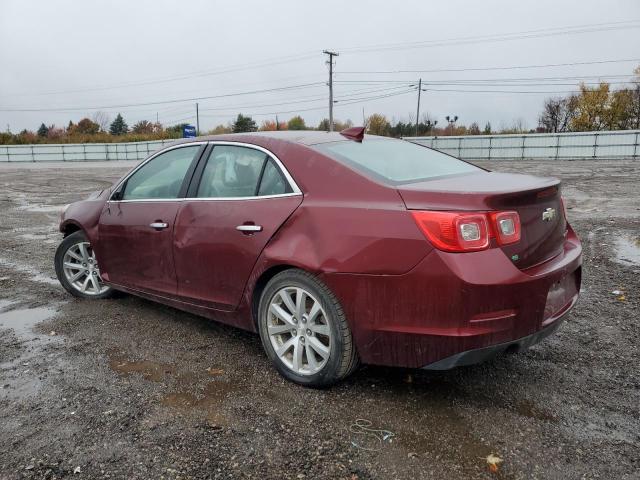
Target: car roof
x: 302, y: 137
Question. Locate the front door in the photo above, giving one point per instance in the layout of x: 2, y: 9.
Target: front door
x: 238, y: 201
x: 135, y: 231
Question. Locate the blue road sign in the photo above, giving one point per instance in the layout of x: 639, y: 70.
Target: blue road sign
x: 188, y: 131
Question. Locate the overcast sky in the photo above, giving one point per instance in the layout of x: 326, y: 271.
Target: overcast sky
x: 115, y: 55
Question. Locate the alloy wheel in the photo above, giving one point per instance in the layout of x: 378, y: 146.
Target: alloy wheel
x: 81, y: 270
x: 299, y: 330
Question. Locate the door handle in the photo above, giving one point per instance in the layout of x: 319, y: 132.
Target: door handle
x: 249, y: 228
x: 158, y: 225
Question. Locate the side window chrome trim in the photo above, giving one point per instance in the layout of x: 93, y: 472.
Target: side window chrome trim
x: 159, y: 152
x: 295, y: 190
x: 208, y: 199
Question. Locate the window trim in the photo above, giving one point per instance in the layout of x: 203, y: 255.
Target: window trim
x: 196, y: 173
x: 189, y: 172
x: 295, y: 190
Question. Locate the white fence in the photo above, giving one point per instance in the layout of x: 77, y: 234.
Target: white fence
x: 539, y: 146
x: 79, y: 152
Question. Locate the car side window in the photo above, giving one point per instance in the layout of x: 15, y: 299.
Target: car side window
x: 273, y: 182
x: 231, y: 172
x: 161, y: 177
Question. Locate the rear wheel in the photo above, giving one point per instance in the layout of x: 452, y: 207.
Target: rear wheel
x: 77, y: 268
x: 304, y: 330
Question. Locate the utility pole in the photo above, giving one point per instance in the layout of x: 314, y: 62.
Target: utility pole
x: 197, y: 120
x: 277, y: 124
x: 330, y: 62
x: 418, y: 110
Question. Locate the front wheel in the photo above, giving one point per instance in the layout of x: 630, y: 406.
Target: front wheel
x: 77, y: 268
x: 304, y: 330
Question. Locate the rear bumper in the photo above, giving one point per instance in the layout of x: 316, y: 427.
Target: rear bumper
x: 456, y: 309
x: 479, y: 355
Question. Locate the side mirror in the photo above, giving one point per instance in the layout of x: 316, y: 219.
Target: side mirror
x: 118, y: 194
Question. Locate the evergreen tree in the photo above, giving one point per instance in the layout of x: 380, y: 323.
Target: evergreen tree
x: 118, y: 126
x: 43, y: 130
x: 487, y: 129
x: 244, y: 124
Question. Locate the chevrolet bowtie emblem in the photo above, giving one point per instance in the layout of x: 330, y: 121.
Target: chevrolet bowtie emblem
x: 549, y: 214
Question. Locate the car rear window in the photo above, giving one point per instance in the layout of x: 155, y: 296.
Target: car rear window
x: 395, y: 161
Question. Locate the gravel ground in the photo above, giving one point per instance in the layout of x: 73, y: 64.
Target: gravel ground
x: 126, y: 388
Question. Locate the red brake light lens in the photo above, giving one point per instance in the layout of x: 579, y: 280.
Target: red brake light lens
x: 468, y: 231
x: 454, y: 231
x: 506, y: 226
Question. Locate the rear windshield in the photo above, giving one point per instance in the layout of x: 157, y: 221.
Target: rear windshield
x: 395, y: 161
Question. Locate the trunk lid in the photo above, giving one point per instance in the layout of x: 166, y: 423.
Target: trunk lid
x: 536, y: 199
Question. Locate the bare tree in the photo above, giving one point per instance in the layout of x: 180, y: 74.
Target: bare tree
x: 102, y: 119
x: 557, y: 114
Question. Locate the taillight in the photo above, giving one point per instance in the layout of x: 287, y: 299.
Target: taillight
x: 454, y: 231
x: 468, y: 231
x: 506, y: 226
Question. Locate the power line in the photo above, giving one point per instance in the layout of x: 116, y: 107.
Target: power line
x: 250, y: 66
x: 350, y: 102
x: 586, y: 28
x: 164, y: 102
x: 484, y: 69
x: 346, y: 95
x: 546, y: 32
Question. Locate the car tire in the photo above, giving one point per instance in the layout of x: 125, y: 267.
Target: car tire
x: 322, y: 329
x: 75, y: 249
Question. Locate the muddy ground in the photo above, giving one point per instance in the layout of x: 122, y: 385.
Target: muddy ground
x: 125, y: 388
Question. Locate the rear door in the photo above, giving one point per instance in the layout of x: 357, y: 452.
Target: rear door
x: 135, y: 231
x: 238, y: 199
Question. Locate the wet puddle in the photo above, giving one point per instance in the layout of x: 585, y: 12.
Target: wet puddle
x: 156, y: 372
x: 207, y: 402
x: 34, y: 274
x: 42, y: 208
x: 628, y: 251
x: 5, y: 303
x: 210, y: 402
x: 19, y: 379
x: 22, y: 321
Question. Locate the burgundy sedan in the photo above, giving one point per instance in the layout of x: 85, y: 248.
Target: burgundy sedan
x: 337, y: 248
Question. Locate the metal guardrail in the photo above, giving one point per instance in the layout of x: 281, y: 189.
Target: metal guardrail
x: 538, y: 146
x: 80, y: 152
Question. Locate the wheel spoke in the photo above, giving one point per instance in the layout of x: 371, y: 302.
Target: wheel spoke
x: 315, y: 310
x: 75, y: 266
x: 83, y: 251
x: 321, y: 329
x: 86, y: 283
x: 286, y: 298
x: 301, y: 300
x: 76, y: 276
x: 298, y: 350
x: 319, y: 348
x: 311, y: 357
x: 286, y: 346
x: 74, y: 255
x: 279, y: 329
x: 94, y: 281
x: 279, y: 312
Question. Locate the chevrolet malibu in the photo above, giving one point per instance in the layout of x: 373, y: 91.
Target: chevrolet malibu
x: 337, y: 248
